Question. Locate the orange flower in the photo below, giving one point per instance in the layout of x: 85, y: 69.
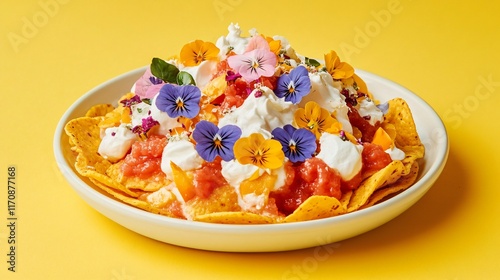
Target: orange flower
x: 316, y: 119
x: 261, y: 152
x: 339, y: 70
x: 196, y: 52
x: 274, y: 45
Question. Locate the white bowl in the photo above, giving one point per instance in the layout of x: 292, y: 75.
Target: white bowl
x: 257, y: 238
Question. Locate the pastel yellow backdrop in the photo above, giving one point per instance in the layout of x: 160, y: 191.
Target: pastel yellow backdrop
x: 53, y: 51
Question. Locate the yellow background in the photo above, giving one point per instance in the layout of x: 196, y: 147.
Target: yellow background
x: 51, y: 52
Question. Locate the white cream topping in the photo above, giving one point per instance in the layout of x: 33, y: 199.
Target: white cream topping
x: 139, y: 111
x: 202, y: 73
x: 395, y: 153
x: 328, y: 97
x: 160, y: 197
x: 260, y: 114
x: 166, y: 122
x: 235, y: 173
x: 182, y: 153
x: 343, y: 156
x: 116, y: 142
x: 233, y: 41
x: 368, y: 108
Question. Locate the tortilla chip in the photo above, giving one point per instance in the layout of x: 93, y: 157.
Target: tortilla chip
x: 222, y: 199
x: 150, y: 184
x: 407, y: 139
x: 126, y: 199
x: 234, y: 218
x: 84, y: 134
x: 99, y: 110
x: 383, y: 177
x: 346, y: 197
x: 397, y: 187
x: 316, y: 207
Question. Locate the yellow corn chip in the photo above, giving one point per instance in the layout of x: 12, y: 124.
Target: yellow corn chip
x: 397, y: 187
x: 84, y: 134
x: 383, y: 177
x: 99, y: 110
x: 150, y: 184
x: 316, y: 207
x: 234, y: 218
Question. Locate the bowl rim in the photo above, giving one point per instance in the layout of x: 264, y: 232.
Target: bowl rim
x: 419, y: 188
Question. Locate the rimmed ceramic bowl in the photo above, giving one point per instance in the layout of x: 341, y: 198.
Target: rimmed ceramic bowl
x: 257, y: 238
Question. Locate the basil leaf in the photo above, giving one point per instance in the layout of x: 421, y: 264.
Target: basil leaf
x: 312, y: 62
x: 163, y: 70
x: 184, y: 78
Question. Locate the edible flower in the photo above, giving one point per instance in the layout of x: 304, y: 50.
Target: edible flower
x: 148, y: 85
x: 128, y: 102
x: 179, y: 101
x: 316, y: 119
x: 196, y: 52
x: 212, y: 141
x: 294, y: 86
x: 254, y: 64
x: 297, y: 144
x: 263, y: 153
x: 339, y: 70
x: 146, y: 125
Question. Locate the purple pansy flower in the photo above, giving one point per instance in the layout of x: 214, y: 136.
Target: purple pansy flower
x: 298, y: 144
x: 212, y: 141
x: 179, y: 101
x: 294, y: 86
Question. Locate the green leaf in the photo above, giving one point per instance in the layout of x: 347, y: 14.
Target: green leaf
x: 164, y: 71
x: 312, y: 62
x: 184, y: 78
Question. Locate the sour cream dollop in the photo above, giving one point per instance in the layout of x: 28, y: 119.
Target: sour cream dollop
x: 368, y: 108
x: 328, y: 97
x: 232, y: 41
x: 235, y: 173
x: 166, y: 122
x: 183, y: 154
x: 343, y: 156
x: 261, y: 112
x: 116, y: 142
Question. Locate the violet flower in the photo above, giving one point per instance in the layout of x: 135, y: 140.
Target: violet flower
x: 294, y: 86
x: 179, y: 101
x: 297, y: 144
x: 212, y: 141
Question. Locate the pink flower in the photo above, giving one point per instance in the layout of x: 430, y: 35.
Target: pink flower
x: 257, y: 42
x: 254, y: 64
x: 148, y: 85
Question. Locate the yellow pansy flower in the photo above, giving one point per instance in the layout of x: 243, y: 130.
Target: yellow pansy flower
x: 274, y: 45
x: 196, y: 52
x: 316, y: 119
x: 339, y: 70
x: 261, y: 152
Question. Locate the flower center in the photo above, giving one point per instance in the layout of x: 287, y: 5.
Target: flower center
x: 292, y: 145
x: 180, y: 103
x: 199, y: 57
x: 291, y: 87
x: 217, y: 141
x: 255, y: 64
